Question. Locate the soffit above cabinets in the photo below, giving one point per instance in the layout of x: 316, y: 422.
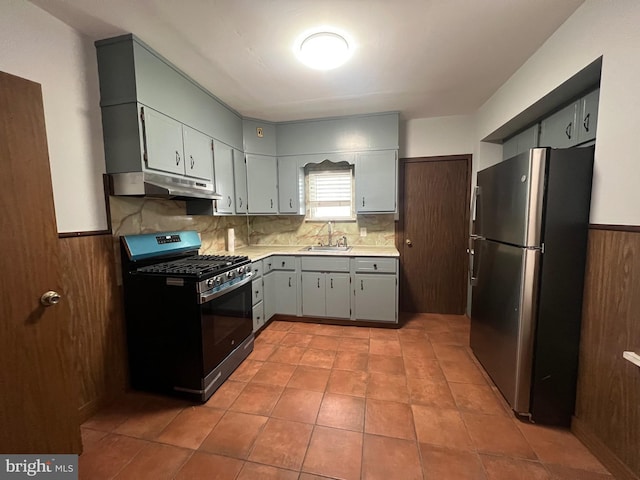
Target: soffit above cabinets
x: 423, y: 58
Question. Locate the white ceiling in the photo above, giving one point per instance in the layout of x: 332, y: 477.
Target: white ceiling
x: 423, y: 58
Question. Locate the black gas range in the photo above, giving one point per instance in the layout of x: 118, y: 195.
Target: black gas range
x: 189, y: 316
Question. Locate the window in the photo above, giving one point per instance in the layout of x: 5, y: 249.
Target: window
x: 330, y: 193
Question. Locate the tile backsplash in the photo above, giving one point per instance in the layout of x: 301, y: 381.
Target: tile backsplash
x: 293, y: 230
x: 134, y: 215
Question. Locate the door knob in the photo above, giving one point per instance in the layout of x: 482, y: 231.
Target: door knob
x: 50, y: 298
x: 408, y: 242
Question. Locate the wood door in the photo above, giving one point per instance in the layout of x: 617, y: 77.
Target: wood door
x: 433, y: 232
x: 38, y: 405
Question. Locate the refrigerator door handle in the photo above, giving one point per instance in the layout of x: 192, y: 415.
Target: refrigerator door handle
x: 473, y: 280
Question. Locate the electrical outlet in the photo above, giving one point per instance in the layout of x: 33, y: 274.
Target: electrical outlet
x: 363, y: 231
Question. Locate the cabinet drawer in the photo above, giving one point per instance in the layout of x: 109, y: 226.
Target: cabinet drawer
x: 258, y: 316
x: 375, y: 265
x: 256, y: 268
x: 325, y: 264
x: 279, y: 262
x: 256, y: 295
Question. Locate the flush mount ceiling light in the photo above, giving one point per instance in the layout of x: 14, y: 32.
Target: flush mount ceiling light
x: 323, y: 50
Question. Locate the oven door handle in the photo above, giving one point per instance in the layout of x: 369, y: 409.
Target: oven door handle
x: 206, y: 297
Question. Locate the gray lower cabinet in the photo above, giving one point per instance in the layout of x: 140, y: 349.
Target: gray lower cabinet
x: 326, y: 295
x: 269, y: 294
x: 262, y: 184
x: 376, y: 297
x: 286, y: 286
x: 375, y: 289
x: 376, y: 181
x: 240, y: 181
x: 258, y: 316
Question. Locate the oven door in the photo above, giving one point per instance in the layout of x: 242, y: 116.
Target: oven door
x: 227, y: 320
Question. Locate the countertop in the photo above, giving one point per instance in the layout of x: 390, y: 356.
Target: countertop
x: 260, y: 252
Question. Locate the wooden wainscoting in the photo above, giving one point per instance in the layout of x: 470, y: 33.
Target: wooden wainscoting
x: 97, y: 320
x: 607, y: 415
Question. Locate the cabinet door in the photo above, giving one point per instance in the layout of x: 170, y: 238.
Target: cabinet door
x: 528, y: 139
x: 376, y: 182
x: 289, y: 185
x: 560, y: 130
x: 286, y: 292
x: 313, y: 294
x: 269, y: 295
x: 223, y: 167
x: 258, y: 316
x: 376, y: 297
x: 198, y: 154
x: 163, y: 144
x: 338, y: 295
x: 588, y: 117
x: 262, y: 184
x: 240, y: 181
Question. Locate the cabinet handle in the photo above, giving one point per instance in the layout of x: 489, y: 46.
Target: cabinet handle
x: 283, y: 264
x: 363, y: 201
x: 361, y: 284
x: 192, y: 161
x: 291, y: 201
x: 229, y: 200
x: 332, y: 283
x: 177, y: 158
x: 271, y: 200
x: 375, y: 266
x: 289, y: 282
x: 257, y: 292
x: 240, y: 200
x: 586, y: 122
x: 318, y: 282
x: 567, y: 130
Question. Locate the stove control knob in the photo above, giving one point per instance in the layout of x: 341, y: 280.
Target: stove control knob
x: 230, y: 274
x: 218, y: 280
x: 210, y: 282
x: 240, y: 270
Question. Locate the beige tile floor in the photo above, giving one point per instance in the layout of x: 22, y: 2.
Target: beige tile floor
x: 339, y: 402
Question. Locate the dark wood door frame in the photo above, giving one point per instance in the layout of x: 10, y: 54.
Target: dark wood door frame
x: 400, y: 225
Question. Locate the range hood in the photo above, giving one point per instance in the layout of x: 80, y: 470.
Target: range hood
x: 160, y: 186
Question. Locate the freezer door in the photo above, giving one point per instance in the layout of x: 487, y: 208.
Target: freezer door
x: 509, y: 199
x: 502, y: 317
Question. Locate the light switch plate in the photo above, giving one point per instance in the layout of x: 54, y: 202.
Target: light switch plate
x: 363, y: 231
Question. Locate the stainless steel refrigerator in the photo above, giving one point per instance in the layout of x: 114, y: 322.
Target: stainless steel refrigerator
x: 528, y: 251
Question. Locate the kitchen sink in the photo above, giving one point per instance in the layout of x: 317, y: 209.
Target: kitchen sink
x: 326, y: 248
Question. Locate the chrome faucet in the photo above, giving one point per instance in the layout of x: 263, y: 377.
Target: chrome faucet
x: 342, y: 242
x: 330, y: 233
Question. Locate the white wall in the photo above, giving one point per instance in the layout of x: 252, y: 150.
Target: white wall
x: 430, y: 137
x: 611, y: 29
x: 39, y: 47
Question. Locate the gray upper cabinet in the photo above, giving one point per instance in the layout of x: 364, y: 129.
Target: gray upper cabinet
x: 521, y: 142
x: 198, y: 154
x: 328, y: 135
x: 223, y: 165
x: 131, y: 72
x: 290, y: 186
x: 240, y: 181
x: 588, y: 117
x: 262, y: 184
x: 376, y: 180
x: 560, y: 129
x: 163, y: 145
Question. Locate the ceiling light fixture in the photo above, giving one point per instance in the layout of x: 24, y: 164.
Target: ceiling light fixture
x: 323, y: 50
